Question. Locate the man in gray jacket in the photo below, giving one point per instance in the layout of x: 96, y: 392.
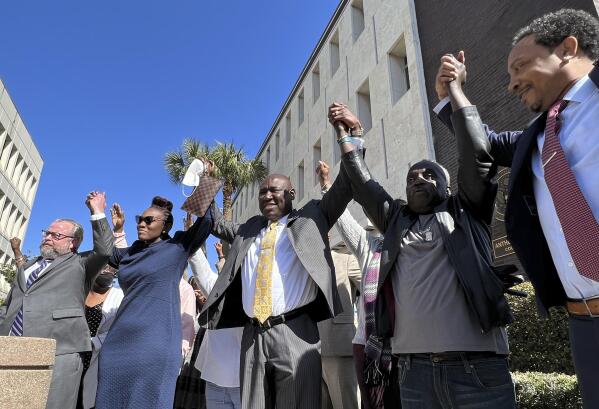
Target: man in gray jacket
x: 48, y: 295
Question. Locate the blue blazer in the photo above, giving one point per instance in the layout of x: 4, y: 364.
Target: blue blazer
x: 514, y: 149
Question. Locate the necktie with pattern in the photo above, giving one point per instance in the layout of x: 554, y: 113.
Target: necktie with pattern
x: 263, y: 291
x: 576, y: 218
x: 16, y: 328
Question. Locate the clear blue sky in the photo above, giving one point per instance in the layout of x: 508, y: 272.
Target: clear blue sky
x: 106, y: 88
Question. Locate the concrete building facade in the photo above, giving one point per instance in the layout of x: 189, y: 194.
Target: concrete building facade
x: 369, y: 58
x: 20, y: 170
x: 380, y: 57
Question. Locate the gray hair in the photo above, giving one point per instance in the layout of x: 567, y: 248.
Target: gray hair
x: 77, y: 230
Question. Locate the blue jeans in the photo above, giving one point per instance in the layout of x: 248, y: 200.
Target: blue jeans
x: 481, y: 383
x: 220, y: 397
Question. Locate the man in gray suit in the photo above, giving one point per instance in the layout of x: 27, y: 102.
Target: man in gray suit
x: 277, y: 282
x: 48, y: 295
x: 340, y: 385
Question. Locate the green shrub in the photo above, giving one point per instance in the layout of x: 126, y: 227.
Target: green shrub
x: 536, y: 390
x: 538, y: 344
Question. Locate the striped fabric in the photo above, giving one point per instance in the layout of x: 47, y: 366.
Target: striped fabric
x: 378, y: 362
x: 579, y: 225
x: 17, y: 325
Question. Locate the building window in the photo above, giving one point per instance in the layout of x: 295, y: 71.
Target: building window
x: 32, y: 190
x: 317, y: 157
x: 364, y: 112
x: 277, y: 145
x: 398, y: 70
x: 267, y: 157
x: 300, y: 181
x: 315, y: 83
x: 334, y: 53
x: 6, y: 148
x: 288, y: 127
x: 357, y: 18
x: 300, y: 108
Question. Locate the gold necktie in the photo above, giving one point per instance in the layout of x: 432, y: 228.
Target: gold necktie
x: 263, y: 292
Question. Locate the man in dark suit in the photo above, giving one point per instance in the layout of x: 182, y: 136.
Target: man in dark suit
x: 48, y: 296
x: 278, y: 281
x: 553, y: 208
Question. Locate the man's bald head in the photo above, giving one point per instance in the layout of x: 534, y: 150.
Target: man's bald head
x: 275, y: 196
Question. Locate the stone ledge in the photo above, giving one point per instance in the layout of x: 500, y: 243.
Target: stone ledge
x: 26, y: 352
x: 24, y: 388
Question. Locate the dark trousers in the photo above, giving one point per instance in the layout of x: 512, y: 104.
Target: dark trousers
x: 463, y: 383
x: 584, y: 341
x: 281, y: 366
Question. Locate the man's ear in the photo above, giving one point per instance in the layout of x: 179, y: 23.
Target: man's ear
x: 75, y: 246
x: 569, y: 48
x: 292, y: 193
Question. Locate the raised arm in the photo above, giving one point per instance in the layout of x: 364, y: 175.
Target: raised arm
x: 476, y: 169
x: 350, y: 230
x: 375, y: 200
x: 502, y: 144
x: 103, y: 240
x: 223, y: 229
x: 204, y: 275
x: 15, y: 245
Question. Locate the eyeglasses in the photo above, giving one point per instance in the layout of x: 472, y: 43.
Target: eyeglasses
x: 55, y: 235
x: 146, y: 219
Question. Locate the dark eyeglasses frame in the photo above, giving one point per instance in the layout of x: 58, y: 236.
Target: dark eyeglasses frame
x: 55, y: 235
x: 147, y: 219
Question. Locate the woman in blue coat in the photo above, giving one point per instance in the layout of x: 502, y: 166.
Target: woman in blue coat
x: 141, y: 357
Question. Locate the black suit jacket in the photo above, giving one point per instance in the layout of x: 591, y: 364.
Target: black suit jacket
x: 307, y: 229
x: 514, y: 149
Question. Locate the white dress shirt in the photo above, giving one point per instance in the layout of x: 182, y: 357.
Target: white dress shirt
x: 292, y: 286
x: 579, y: 137
x: 218, y: 358
x: 35, y: 265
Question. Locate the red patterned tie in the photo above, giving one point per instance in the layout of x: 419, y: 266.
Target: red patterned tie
x: 578, y: 223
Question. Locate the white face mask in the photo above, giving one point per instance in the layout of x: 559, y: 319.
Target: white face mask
x: 194, y: 172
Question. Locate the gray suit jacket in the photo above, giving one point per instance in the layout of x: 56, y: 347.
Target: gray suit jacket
x: 336, y: 334
x: 307, y: 229
x: 53, y: 307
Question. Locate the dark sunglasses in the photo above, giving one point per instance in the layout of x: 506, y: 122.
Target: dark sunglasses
x: 146, y: 219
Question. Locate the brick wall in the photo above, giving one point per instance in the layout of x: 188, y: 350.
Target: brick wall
x: 483, y: 29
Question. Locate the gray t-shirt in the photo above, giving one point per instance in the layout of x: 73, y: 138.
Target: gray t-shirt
x: 431, y: 312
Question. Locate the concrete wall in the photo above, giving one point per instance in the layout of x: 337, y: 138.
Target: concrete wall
x: 400, y: 132
x: 20, y: 170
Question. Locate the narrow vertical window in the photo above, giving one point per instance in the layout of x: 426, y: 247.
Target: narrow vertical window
x: 399, y: 77
x: 364, y: 108
x: 288, y: 127
x: 316, y: 157
x: 357, y: 18
x: 300, y: 108
x: 300, y: 180
x: 315, y: 83
x: 334, y: 53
